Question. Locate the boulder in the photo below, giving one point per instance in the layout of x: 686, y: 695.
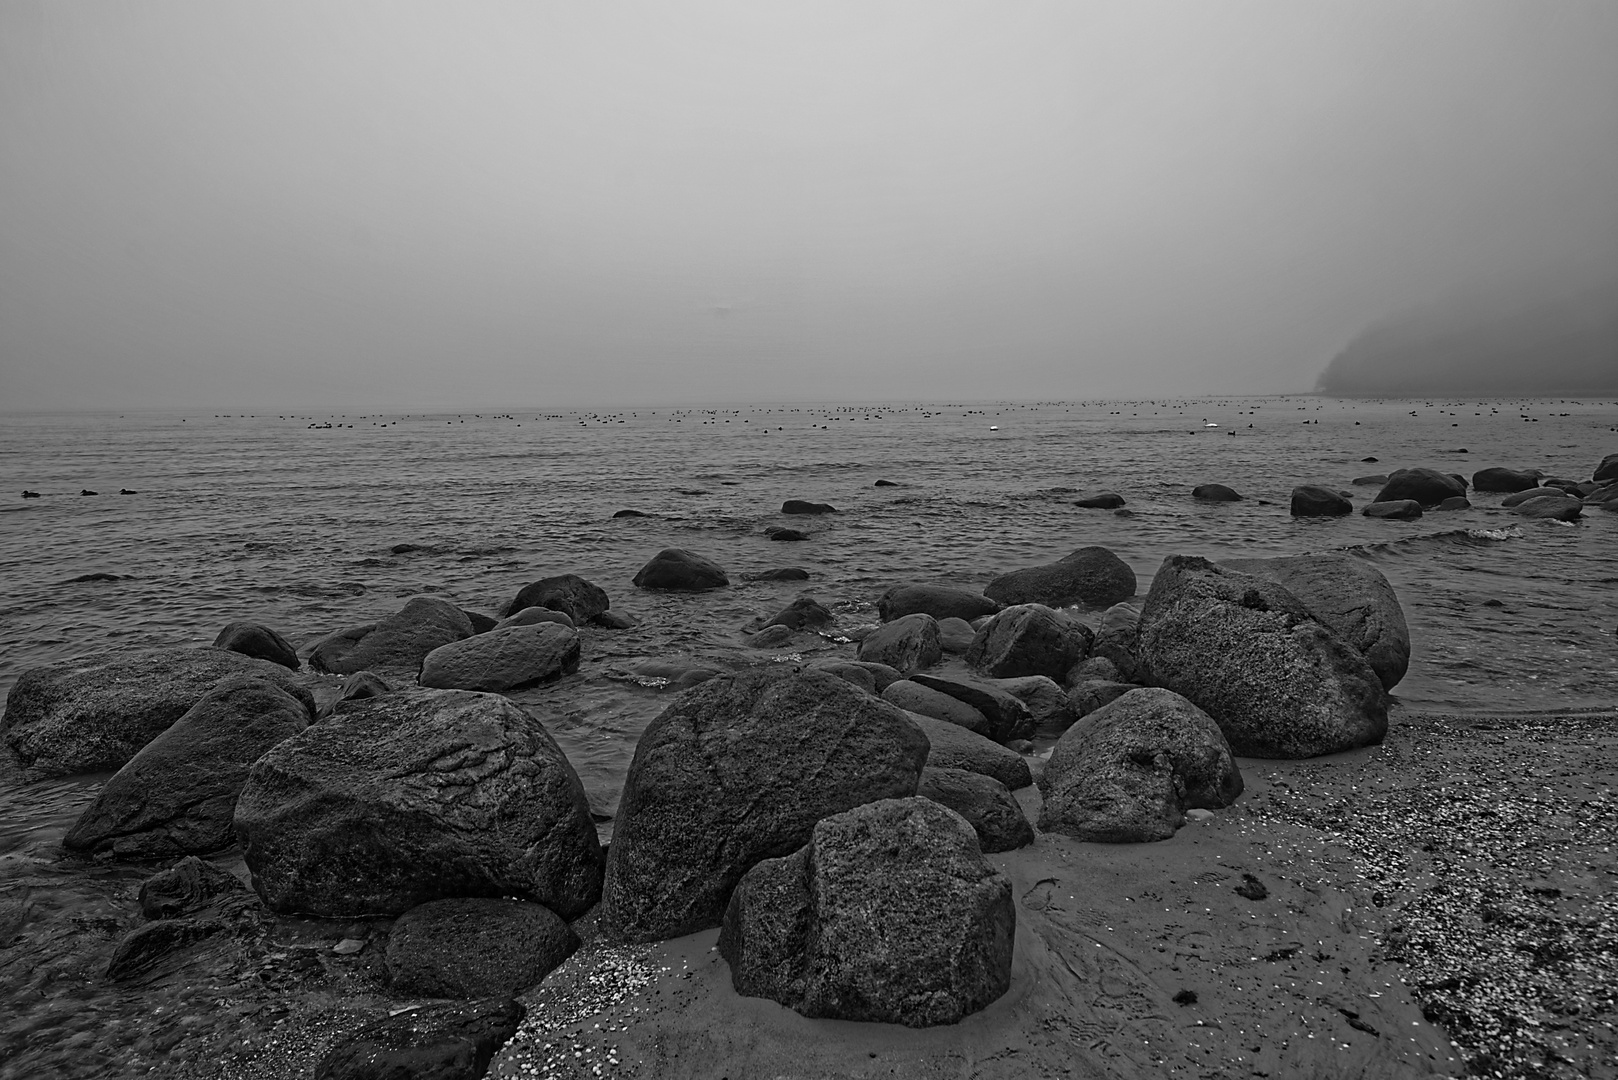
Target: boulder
x: 986, y: 804
x: 881, y: 676
x: 1046, y: 700
x: 955, y: 636
x: 186, y: 888
x: 801, y: 506
x: 177, y: 794
x: 1128, y: 772
x: 1394, y: 510
x: 776, y: 532
x: 358, y: 687
x: 1554, y: 507
x: 939, y: 601
x: 399, y: 641
x: 528, y: 616
x: 568, y: 593
x: 954, y: 747
x: 1279, y: 682
x: 1092, y: 694
x: 1375, y: 480
x: 433, y: 1042
x: 676, y: 569
x: 1349, y: 595
x: 253, y: 639
x: 629, y: 514
x: 738, y: 771
x: 1008, y: 717
x: 1521, y: 496
x: 1117, y: 639
x: 854, y: 674
x: 1100, y: 500
x: 504, y: 660
x: 916, y: 698
x: 782, y: 573
x: 418, y: 796
x: 803, y: 613
x: 1429, y: 487
x: 907, y: 644
x: 475, y: 946
x: 1454, y: 502
x: 1506, y: 480
x: 1091, y: 576
x: 1311, y: 500
x: 481, y: 623
x: 889, y: 913
x: 97, y: 711
x: 1607, y: 471
x: 772, y: 637
x: 1028, y: 639
x: 1215, y: 493
x: 1096, y: 667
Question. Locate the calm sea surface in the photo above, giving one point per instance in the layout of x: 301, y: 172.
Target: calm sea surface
x: 291, y: 521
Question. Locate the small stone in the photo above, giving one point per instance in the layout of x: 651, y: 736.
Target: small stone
x: 348, y: 946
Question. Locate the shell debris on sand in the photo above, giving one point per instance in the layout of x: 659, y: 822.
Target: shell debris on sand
x: 1487, y: 844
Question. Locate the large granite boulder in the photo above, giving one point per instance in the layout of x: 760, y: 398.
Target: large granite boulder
x: 398, y: 642
x: 1091, y: 576
x: 1009, y: 717
x: 951, y: 746
x: 913, y: 697
x: 679, y: 570
x: 1507, y: 480
x: 417, y: 796
x: 1128, y: 772
x: 579, y: 599
x: 1349, y: 595
x: 1279, y: 682
x: 176, y: 796
x: 939, y: 601
x: 986, y: 804
x: 736, y: 771
x: 503, y: 660
x: 96, y: 712
x: 1554, y: 507
x: 475, y: 946
x: 1312, y: 500
x: 256, y: 640
x: 441, y: 1041
x: 1028, y: 639
x: 889, y: 913
x: 1429, y: 487
x: 907, y: 644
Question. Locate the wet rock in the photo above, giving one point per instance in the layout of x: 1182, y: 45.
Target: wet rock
x: 579, y: 599
x: 1506, y: 480
x: 986, y: 804
x: 907, y: 644
x: 1521, y: 496
x: 158, y: 947
x: 884, y: 483
x: 1279, y: 682
x: 628, y: 514
x: 881, y: 676
x: 1128, y: 772
x: 1454, y: 502
x: 681, y: 674
x: 1091, y: 576
x: 784, y: 573
x: 737, y: 771
x: 1101, y: 500
x: 481, y: 623
x: 1008, y: 717
x: 398, y: 642
x: 890, y: 913
x: 1028, y: 639
x: 1117, y: 639
x: 772, y: 637
x: 1554, y: 507
x: 614, y: 620
x: 252, y: 639
x: 1394, y: 510
x: 676, y: 569
x: 97, y: 711
x: 775, y: 532
x: 939, y: 601
x: 1046, y: 700
x: 801, y: 506
x: 916, y: 698
x: 1092, y: 694
x: 1607, y: 470
x: 1429, y: 487
x: 1352, y: 597
x: 469, y: 947
x: 1311, y: 500
x: 434, y: 1042
x: 955, y: 636
x: 186, y: 888
x: 417, y: 796
x: 528, y: 616
x: 954, y: 747
x: 358, y: 687
x: 1376, y: 480
x: 1215, y: 493
x: 176, y: 796
x: 803, y: 613
x: 505, y: 660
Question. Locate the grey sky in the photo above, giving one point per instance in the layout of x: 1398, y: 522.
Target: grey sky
x: 412, y: 205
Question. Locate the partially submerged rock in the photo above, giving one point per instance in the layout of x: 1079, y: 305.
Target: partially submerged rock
x: 1429, y: 487
x: 939, y: 601
x: 679, y: 570
x: 1312, y: 500
x: 579, y: 599
x: 399, y: 641
x: 503, y: 660
x: 1092, y: 576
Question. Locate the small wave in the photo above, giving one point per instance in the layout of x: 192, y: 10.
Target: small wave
x: 1447, y: 538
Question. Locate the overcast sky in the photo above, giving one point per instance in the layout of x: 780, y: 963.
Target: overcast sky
x: 409, y: 205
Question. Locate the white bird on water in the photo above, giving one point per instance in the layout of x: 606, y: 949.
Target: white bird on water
x: 994, y: 427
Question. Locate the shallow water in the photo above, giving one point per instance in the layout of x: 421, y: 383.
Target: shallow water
x: 290, y: 522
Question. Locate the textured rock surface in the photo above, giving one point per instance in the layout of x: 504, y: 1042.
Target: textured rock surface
x: 417, y: 796
x: 1117, y: 639
x: 1508, y: 480
x: 679, y: 570
x: 1128, y: 772
x: 1028, y: 639
x: 939, y: 601
x: 253, y: 639
x: 890, y: 913
x: 1429, y: 487
x: 1517, y: 498
x: 914, y: 697
x: 1312, y: 500
x: 177, y: 795
x: 954, y: 747
x: 1092, y: 576
x: 1556, y: 507
x: 803, y: 613
x: 97, y: 711
x: 186, y: 888
x: 503, y: 660
x: 1277, y: 681
x: 434, y: 1042
x: 907, y: 644
x: 737, y: 771
x: 398, y: 642
x: 579, y: 599
x: 1395, y: 509
x: 1092, y: 694
x: 986, y: 804
x: 1352, y: 597
x: 1008, y: 717
x: 466, y: 947
x: 1047, y: 702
